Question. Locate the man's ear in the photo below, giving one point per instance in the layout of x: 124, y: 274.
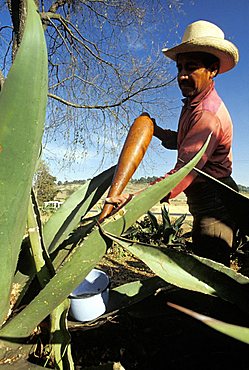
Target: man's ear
x: 214, y: 69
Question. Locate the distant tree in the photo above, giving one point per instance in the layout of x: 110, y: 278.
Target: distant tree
x: 151, y: 179
x: 44, y: 184
x: 144, y: 180
x: 243, y: 188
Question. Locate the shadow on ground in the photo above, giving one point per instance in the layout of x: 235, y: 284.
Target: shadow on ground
x: 152, y: 336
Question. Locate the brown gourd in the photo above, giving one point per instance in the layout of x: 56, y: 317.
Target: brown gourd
x: 135, y: 146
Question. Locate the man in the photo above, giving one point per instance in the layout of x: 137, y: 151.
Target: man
x: 203, y: 54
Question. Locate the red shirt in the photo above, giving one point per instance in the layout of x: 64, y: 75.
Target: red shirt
x: 201, y: 115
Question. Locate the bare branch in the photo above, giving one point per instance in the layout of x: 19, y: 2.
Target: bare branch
x: 60, y: 34
x: 57, y: 4
x: 119, y: 103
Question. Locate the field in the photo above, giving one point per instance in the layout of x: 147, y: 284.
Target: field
x: 177, y: 206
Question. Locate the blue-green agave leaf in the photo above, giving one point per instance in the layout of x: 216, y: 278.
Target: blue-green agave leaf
x: 22, y: 106
x: 68, y: 216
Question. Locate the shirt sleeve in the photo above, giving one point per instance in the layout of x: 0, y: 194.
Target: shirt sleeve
x: 169, y: 140
x: 203, y: 124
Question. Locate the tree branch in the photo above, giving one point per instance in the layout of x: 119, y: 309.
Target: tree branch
x: 119, y: 103
x: 57, y: 4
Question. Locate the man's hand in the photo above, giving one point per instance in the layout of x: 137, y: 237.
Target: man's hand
x: 119, y: 201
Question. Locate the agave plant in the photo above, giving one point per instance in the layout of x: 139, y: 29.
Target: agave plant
x: 48, y: 263
x: 151, y: 230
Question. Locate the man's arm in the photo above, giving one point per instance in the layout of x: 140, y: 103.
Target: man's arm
x: 167, y: 137
x: 193, y: 141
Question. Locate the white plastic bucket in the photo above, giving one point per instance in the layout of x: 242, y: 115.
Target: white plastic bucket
x: 89, y: 300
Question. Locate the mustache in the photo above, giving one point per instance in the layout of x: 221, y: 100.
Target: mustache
x: 185, y: 84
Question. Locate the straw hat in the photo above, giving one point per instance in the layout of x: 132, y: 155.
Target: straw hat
x: 203, y: 36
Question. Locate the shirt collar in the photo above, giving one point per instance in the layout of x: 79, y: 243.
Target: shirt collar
x: 192, y: 102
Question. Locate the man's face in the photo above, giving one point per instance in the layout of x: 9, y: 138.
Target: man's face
x: 193, y: 77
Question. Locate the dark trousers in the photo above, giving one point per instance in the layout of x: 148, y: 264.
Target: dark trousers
x: 213, y: 227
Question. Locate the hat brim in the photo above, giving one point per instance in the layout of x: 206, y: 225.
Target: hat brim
x: 226, y: 51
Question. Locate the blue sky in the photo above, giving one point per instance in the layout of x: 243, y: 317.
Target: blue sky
x: 233, y: 18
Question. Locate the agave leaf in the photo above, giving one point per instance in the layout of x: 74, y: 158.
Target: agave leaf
x: 165, y: 217
x: 87, y: 254
x: 191, y: 272
x: 33, y: 258
x: 238, y: 332
x: 62, y: 223
x: 179, y: 221
x: 167, y: 228
x: 68, y: 216
x: 59, y: 226
x: 22, y: 106
x: 236, y: 203
x: 85, y: 257
x: 135, y: 291
x: 63, y: 252
x: 43, y: 265
x: 153, y: 221
x: 60, y: 337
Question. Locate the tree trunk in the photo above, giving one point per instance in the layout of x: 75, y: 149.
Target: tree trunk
x: 18, y: 11
x: 1, y: 80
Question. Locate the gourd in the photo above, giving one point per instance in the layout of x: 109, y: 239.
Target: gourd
x: 133, y: 151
